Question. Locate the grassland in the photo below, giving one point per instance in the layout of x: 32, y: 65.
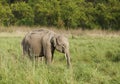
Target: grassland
x: 95, y: 59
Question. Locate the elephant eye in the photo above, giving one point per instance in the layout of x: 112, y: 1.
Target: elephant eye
x: 63, y: 45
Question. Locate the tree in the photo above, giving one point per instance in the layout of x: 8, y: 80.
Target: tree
x: 23, y: 14
x: 5, y: 15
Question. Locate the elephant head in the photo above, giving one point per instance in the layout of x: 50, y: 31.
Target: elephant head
x: 61, y: 44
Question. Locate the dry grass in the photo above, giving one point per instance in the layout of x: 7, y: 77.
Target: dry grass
x: 21, y: 31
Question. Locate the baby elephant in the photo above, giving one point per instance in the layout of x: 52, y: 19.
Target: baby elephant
x: 43, y: 42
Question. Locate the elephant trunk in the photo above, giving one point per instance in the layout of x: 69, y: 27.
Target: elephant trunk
x: 67, y: 55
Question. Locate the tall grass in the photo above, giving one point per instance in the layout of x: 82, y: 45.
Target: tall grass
x: 95, y: 60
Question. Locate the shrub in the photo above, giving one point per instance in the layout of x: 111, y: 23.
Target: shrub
x: 69, y: 13
x: 23, y: 14
x: 113, y: 56
x: 46, y: 13
x: 5, y: 15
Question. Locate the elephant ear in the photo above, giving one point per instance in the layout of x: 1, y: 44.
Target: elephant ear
x: 59, y: 40
x: 56, y: 40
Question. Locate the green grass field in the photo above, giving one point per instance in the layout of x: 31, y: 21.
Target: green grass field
x: 94, y: 59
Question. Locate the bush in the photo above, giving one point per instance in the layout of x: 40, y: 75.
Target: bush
x: 70, y: 13
x: 88, y: 14
x: 46, y: 13
x: 23, y: 14
x: 5, y: 15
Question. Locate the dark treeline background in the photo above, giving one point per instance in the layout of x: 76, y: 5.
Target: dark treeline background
x: 85, y: 14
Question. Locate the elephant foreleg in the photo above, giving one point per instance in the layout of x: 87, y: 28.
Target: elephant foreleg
x: 48, y: 55
x: 48, y: 60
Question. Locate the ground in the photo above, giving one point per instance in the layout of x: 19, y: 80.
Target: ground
x: 95, y: 59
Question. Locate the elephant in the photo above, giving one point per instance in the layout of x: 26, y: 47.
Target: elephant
x: 43, y: 43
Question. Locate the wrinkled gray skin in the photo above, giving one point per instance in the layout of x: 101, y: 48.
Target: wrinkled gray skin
x: 43, y: 42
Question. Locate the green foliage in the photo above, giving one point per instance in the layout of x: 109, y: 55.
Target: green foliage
x: 23, y: 14
x: 88, y: 14
x: 45, y: 13
x: 95, y: 60
x: 5, y: 15
x: 69, y: 13
x: 106, y: 14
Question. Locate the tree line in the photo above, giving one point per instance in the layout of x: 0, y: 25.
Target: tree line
x: 85, y: 14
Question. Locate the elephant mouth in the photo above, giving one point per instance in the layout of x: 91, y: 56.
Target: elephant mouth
x: 63, y: 51
x: 60, y: 49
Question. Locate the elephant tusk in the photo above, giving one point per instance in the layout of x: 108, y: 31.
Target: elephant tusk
x: 65, y: 56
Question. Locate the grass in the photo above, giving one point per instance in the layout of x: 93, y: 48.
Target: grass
x: 95, y: 60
